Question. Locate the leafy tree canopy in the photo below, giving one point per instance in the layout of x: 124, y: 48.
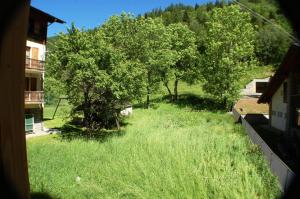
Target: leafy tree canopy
x: 98, y: 78
x: 229, y: 52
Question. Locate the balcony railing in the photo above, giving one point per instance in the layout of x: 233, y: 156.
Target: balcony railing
x: 35, y: 64
x: 34, y: 96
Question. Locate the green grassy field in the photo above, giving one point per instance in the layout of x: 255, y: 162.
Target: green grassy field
x: 61, y: 116
x: 258, y: 72
x: 172, y: 151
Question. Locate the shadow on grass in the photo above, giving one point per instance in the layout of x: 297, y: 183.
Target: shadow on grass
x: 70, y: 132
x: 190, y: 100
x: 39, y: 195
x: 46, y: 119
x: 198, y: 103
x: 154, y: 104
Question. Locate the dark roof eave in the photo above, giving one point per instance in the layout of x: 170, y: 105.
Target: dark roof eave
x: 49, y: 17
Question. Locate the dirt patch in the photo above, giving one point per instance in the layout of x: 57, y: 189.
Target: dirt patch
x: 250, y: 105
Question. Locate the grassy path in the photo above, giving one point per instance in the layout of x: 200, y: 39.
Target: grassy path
x: 164, y: 153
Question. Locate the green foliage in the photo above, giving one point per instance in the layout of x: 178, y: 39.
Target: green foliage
x: 128, y: 58
x: 98, y: 79
x: 257, y: 72
x: 184, y: 50
x: 154, y: 51
x: 123, y: 60
x: 145, y: 42
x: 271, y: 42
x: 183, y: 45
x: 53, y: 89
x: 271, y: 45
x: 229, y: 52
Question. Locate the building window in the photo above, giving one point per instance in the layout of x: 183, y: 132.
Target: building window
x: 285, y: 92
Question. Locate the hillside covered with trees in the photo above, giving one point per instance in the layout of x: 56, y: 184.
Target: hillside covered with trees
x: 128, y: 58
x: 271, y: 41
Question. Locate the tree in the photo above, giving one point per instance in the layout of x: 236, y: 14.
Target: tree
x: 229, y: 52
x: 98, y: 78
x: 271, y: 45
x: 146, y: 42
x: 154, y: 51
x: 53, y: 89
x: 267, y: 37
x: 186, y: 18
x: 184, y: 49
x: 219, y: 3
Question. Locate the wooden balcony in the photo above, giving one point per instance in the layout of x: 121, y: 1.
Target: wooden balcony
x: 34, y: 97
x: 33, y: 64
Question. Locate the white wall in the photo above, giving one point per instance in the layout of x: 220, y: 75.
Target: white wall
x: 279, y: 110
x: 41, y: 47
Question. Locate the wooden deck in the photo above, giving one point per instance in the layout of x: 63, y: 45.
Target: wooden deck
x: 34, y: 97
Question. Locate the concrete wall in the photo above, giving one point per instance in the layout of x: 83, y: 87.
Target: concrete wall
x: 278, y: 167
x: 279, y: 110
x: 250, y: 88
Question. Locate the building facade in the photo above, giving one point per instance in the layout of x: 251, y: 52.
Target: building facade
x: 283, y: 94
x: 35, y: 67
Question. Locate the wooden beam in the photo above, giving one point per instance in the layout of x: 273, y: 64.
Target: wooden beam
x: 56, y: 108
x: 13, y: 158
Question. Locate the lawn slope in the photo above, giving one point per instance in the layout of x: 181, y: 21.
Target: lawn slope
x: 168, y: 152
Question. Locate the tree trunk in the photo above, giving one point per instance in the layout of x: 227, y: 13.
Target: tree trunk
x: 86, y: 107
x: 176, y: 90
x: 169, y: 90
x: 148, y: 98
x: 117, y: 121
x: 148, y: 91
x: 225, y: 103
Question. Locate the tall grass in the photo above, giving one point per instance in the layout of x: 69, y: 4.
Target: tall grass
x: 168, y: 152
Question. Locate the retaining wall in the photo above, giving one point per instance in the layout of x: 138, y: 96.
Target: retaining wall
x: 278, y: 167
